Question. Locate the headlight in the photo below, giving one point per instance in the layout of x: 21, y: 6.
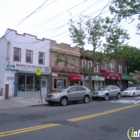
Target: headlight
x: 55, y: 95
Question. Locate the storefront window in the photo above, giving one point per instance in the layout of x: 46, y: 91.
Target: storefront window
x: 21, y: 83
x: 59, y: 83
x: 37, y: 83
x: 29, y: 85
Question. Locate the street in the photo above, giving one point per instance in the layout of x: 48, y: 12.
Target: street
x: 97, y: 120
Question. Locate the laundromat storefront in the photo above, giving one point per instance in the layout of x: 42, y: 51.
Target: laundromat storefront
x: 26, y: 80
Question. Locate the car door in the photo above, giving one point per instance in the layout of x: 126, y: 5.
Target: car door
x: 111, y: 91
x: 80, y: 92
x: 72, y: 93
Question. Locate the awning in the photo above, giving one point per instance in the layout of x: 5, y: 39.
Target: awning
x: 127, y: 77
x: 75, y: 78
x: 112, y: 75
x: 97, y: 78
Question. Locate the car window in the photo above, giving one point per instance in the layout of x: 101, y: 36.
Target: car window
x: 73, y: 89
x: 114, y: 87
x: 80, y: 88
x: 110, y: 87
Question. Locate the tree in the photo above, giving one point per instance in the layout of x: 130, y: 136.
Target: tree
x: 132, y: 55
x: 93, y: 31
x: 126, y: 9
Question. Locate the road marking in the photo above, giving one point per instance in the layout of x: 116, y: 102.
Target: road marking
x: 124, y: 101
x: 23, y: 130
x: 29, y: 129
x: 102, y: 113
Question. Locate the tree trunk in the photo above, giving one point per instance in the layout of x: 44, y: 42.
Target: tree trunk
x: 90, y: 81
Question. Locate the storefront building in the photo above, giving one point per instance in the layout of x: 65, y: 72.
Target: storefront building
x: 24, y: 54
x: 64, y: 73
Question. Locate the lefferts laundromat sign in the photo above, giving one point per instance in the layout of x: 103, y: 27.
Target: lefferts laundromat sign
x: 27, y: 67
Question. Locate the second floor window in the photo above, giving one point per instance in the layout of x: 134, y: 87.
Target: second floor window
x: 41, y: 58
x: 29, y: 56
x: 104, y: 66
x: 96, y: 68
x: 56, y: 63
x: 120, y: 68
x: 83, y: 63
x: 126, y: 69
x: 112, y: 67
x: 17, y: 54
x: 73, y: 63
x: 89, y: 64
x: 66, y: 62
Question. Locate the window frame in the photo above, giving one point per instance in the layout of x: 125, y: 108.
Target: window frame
x: 42, y: 59
x: 112, y: 67
x: 120, y: 68
x: 18, y: 54
x: 73, y: 65
x: 96, y: 68
x: 31, y: 56
x: 83, y: 60
x: 66, y: 62
x: 89, y: 62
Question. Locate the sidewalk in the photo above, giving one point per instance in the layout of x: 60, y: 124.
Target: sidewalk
x: 19, y: 102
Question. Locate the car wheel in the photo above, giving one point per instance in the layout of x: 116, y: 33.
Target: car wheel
x: 106, y: 97
x: 118, y: 96
x: 64, y: 101
x: 86, y: 99
x: 50, y: 103
x: 133, y: 94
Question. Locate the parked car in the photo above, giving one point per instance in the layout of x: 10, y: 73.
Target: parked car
x: 131, y: 91
x: 69, y: 94
x: 107, y: 92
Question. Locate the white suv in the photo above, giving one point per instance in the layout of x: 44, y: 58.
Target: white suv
x: 107, y: 92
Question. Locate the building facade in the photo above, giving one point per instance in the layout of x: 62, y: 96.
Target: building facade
x: 64, y: 73
x: 22, y: 56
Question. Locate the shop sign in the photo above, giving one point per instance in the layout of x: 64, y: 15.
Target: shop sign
x: 10, y: 66
x: 27, y: 67
x: 112, y: 75
x: 70, y: 70
x: 97, y: 78
x: 55, y: 74
x: 43, y: 91
x: 56, y: 69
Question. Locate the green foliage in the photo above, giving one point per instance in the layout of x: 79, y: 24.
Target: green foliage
x: 128, y: 9
x: 132, y: 55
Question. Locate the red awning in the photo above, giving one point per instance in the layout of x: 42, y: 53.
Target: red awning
x: 75, y: 78
x: 112, y: 75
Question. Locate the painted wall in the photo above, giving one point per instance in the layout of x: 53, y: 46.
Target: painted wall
x: 25, y: 42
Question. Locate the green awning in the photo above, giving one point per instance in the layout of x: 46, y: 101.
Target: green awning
x: 97, y: 78
x: 127, y: 77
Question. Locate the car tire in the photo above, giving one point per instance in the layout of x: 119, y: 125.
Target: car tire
x: 63, y: 101
x: 106, y: 97
x: 118, y: 96
x: 51, y: 103
x: 86, y: 99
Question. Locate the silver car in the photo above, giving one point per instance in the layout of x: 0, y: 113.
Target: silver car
x: 107, y: 92
x: 131, y: 91
x: 69, y: 94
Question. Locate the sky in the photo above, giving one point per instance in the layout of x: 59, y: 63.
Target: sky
x: 51, y: 21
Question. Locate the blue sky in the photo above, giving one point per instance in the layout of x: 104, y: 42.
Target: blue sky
x: 52, y: 20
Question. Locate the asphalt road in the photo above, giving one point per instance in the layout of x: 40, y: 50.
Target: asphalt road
x: 97, y: 120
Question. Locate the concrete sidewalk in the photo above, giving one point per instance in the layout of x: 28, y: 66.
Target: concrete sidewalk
x: 19, y: 102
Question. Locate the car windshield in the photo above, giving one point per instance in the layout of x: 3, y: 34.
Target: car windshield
x: 102, y: 88
x: 131, y: 88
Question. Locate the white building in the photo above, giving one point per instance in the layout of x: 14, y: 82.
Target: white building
x: 20, y: 57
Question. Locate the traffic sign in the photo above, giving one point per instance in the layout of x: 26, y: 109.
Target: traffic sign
x: 38, y: 71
